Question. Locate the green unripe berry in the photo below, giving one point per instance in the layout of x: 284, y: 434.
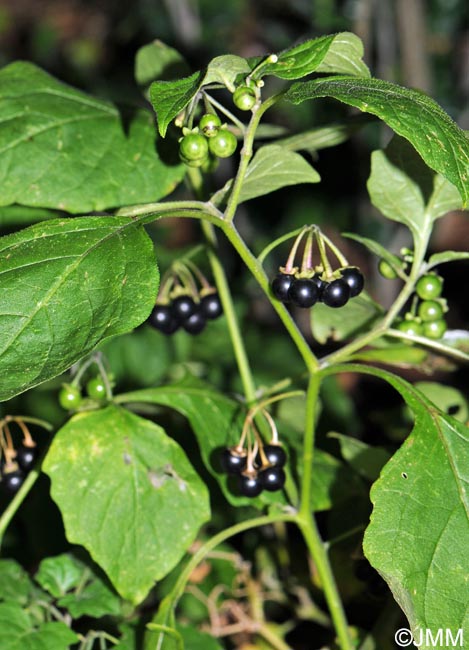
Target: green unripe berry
x: 244, y: 98
x: 386, y: 270
x: 429, y: 286
x: 434, y: 329
x: 192, y: 147
x: 96, y: 388
x: 430, y: 310
x: 410, y: 326
x: 223, y: 144
x: 209, y: 124
x: 70, y: 397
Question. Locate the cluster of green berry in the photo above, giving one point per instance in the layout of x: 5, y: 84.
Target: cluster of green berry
x: 71, y: 397
x: 307, y: 284
x: 16, y: 461
x: 202, y: 145
x: 183, y: 303
x: 258, y: 466
x: 426, y: 317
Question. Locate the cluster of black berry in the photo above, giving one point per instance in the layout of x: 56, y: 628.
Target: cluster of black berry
x: 307, y: 291
x: 426, y: 317
x: 260, y: 467
x: 16, y: 462
x: 182, y: 303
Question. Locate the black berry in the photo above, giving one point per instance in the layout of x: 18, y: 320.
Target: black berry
x: 280, y: 286
x: 182, y: 307
x: 336, y: 294
x: 321, y: 285
x: 355, y: 280
x: 249, y: 485
x: 12, y: 481
x: 233, y: 461
x: 272, y: 478
x: 162, y: 319
x: 210, y: 306
x: 303, y: 293
x: 26, y: 457
x: 276, y: 455
x: 195, y: 323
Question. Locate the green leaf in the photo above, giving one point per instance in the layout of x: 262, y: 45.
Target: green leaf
x: 419, y: 531
x: 441, y: 143
x: 332, y: 482
x: 324, y: 136
x: 194, y: 639
x: 399, y: 355
x: 445, y: 197
x: 272, y: 168
x: 15, y: 584
x: 338, y: 324
x: 447, y: 398
x: 156, y: 60
x: 59, y: 574
x: 161, y: 633
x: 365, y: 459
x: 67, y: 150
x: 95, y: 599
x: 225, y: 70
x: 345, y: 56
x: 93, y: 277
x: 18, y: 633
x: 169, y: 98
x: 128, y: 494
x: 446, y: 256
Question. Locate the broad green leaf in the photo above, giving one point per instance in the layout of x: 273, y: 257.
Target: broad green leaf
x: 169, y: 98
x: 225, y: 70
x: 445, y: 197
x: 441, y: 143
x: 59, y: 574
x: 95, y: 599
x: 332, y: 482
x: 128, y: 640
x: 156, y: 60
x: 63, y: 149
x: 345, y: 56
x: 380, y: 251
x: 67, y: 285
x: 446, y: 256
x: 272, y: 168
x: 338, y: 324
x: 194, y: 639
x: 13, y: 217
x: 128, y: 494
x: 17, y: 632
x: 15, y: 584
x: 365, y: 459
x: 448, y: 399
x: 398, y: 355
x: 419, y: 531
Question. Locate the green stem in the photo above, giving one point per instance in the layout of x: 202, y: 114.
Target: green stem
x: 272, y: 639
x: 257, y: 271
x: 312, y: 395
x: 16, y: 502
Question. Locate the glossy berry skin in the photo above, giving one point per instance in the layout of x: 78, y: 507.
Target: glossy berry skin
x: 244, y: 98
x: 355, y: 280
x: 434, y: 329
x: 195, y: 323
x: 223, y: 144
x: 232, y: 461
x: 70, y: 397
x: 12, y: 481
x: 412, y: 327
x: 182, y: 307
x: 429, y: 310
x: 429, y: 286
x: 321, y: 285
x: 336, y: 294
x: 96, y: 388
x: 276, y: 455
x: 303, y: 293
x: 211, y: 307
x: 162, y: 319
x: 249, y: 485
x: 272, y: 478
x: 193, y: 147
x: 280, y: 286
x: 26, y: 457
x: 209, y: 124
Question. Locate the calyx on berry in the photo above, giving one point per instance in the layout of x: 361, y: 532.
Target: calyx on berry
x: 16, y: 460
